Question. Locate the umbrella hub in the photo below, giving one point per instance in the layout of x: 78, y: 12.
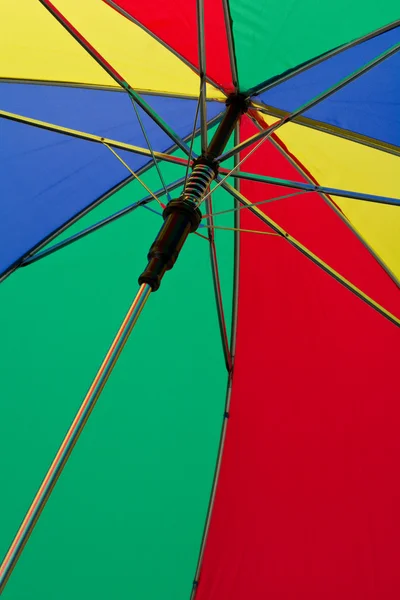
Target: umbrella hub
x: 183, y: 216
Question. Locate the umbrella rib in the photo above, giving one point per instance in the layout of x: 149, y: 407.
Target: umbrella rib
x: 266, y: 133
x: 329, y: 128
x: 162, y: 42
x: 235, y: 303
x: 146, y: 137
x: 110, y: 219
x: 313, y: 257
x: 90, y: 137
x: 203, y: 237
x: 54, y: 83
x: 240, y: 230
x: 202, y: 65
x: 267, y: 201
x: 312, y: 187
x: 259, y: 89
x: 132, y: 172
x: 217, y: 287
x: 107, y: 88
x: 231, y: 43
x: 236, y: 216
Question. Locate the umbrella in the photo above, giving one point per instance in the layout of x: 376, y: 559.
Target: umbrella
x: 244, y: 159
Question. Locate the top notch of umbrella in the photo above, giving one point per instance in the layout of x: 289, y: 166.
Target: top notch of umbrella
x: 183, y: 216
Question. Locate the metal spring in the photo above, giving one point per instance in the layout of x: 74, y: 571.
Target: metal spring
x: 198, y: 183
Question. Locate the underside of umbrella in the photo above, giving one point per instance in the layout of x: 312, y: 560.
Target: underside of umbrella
x: 246, y: 443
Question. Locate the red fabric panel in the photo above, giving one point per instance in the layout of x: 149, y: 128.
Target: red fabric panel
x: 307, y: 504
x: 175, y: 23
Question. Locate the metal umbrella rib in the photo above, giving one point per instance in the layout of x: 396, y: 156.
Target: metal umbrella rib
x: 202, y: 64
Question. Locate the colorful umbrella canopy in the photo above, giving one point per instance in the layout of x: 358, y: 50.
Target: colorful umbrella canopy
x: 246, y: 444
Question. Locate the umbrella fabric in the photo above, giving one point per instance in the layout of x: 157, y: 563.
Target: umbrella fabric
x: 274, y: 479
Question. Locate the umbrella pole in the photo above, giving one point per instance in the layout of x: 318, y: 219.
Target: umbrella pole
x: 181, y: 217
x: 72, y: 436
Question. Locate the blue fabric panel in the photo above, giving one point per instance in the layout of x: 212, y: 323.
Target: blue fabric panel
x: 106, y: 113
x: 47, y: 178
x: 369, y: 106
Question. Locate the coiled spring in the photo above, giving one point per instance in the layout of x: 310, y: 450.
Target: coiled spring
x: 198, y: 183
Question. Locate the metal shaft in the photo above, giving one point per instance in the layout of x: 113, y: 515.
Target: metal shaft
x: 72, y: 436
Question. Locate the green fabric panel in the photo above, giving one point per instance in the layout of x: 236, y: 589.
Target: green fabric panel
x: 127, y: 515
x: 273, y: 37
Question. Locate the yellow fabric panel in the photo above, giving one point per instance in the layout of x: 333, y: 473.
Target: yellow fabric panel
x: 335, y: 162
x: 33, y: 45
x: 143, y: 62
